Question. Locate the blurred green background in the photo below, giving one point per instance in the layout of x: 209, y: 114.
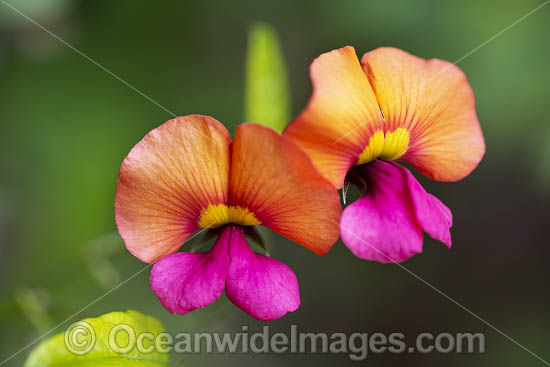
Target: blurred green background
x: 66, y: 125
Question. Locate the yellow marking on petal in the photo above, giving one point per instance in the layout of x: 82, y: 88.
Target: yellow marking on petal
x: 217, y: 215
x: 396, y: 144
x: 391, y: 146
x: 373, y: 150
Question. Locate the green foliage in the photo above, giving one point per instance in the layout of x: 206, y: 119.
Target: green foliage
x: 43, y: 10
x: 55, y: 351
x: 267, y: 94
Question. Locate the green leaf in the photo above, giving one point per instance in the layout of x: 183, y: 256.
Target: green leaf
x: 93, y: 348
x: 267, y: 99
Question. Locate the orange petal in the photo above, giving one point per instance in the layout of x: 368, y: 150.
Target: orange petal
x: 340, y: 117
x: 177, y: 169
x: 273, y: 178
x: 433, y: 101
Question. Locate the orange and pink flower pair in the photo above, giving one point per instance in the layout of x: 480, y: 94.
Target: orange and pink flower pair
x: 188, y: 175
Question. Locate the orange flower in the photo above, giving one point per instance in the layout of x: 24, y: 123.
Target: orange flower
x: 428, y: 115
x: 391, y: 106
x: 186, y: 175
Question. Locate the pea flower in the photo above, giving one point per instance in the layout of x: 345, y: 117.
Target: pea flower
x: 186, y: 176
x: 363, y: 116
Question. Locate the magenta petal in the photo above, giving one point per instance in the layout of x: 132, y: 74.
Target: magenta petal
x: 432, y: 215
x: 381, y: 225
x: 187, y: 281
x: 261, y: 286
x: 386, y: 224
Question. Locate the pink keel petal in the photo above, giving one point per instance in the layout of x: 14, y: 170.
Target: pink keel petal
x: 381, y: 225
x: 386, y: 224
x: 264, y: 288
x: 187, y: 281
